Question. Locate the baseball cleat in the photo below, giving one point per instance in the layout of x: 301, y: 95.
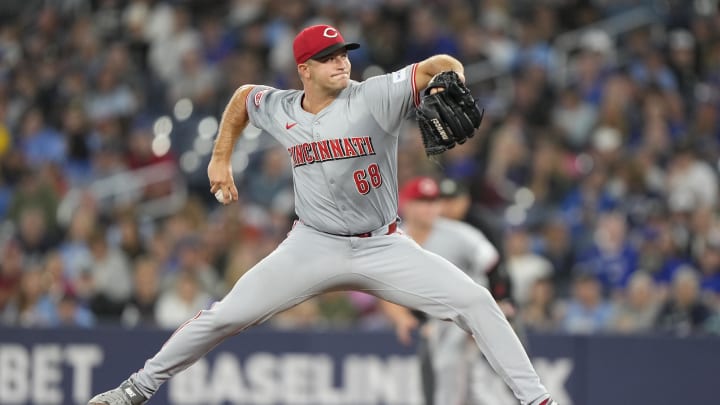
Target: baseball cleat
x: 125, y: 394
x: 548, y: 401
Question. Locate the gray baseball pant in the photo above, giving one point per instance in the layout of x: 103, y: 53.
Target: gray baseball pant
x: 393, y: 267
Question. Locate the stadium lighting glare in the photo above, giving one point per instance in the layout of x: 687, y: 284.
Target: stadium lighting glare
x: 515, y: 215
x: 183, y: 109
x: 207, y: 127
x: 161, y: 145
x: 524, y: 197
x: 189, y: 161
x: 240, y: 161
x: 163, y: 126
x: 251, y: 132
x: 202, y: 145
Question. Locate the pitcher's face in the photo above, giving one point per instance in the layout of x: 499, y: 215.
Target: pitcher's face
x: 331, y: 73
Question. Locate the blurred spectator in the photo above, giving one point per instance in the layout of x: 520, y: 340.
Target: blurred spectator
x: 109, y: 149
x: 336, y: 309
x: 638, y: 183
x: 273, y: 178
x: 140, y: 309
x: 557, y: 248
x: 57, y: 283
x: 692, y: 180
x: 192, y: 260
x: 34, y: 193
x: 241, y: 67
x: 548, y: 179
x: 508, y: 155
x: 243, y: 256
x: 110, y: 98
x: 34, y: 307
x: 39, y: 142
x: 110, y: 275
x: 71, y: 313
x: 683, y: 312
x: 5, y: 196
x: 76, y: 128
x: 704, y: 227
x: 462, y: 163
x: 171, y: 37
x: 524, y: 266
x: 582, y: 205
x: 683, y: 62
x: 196, y: 81
x: 500, y: 47
x: 302, y: 316
x: 11, y: 273
x: 216, y: 43
x: 638, y: 307
x: 574, y: 117
x: 127, y: 237
x: 534, y: 31
x: 652, y: 70
x: 541, y: 313
x: 75, y: 249
x: 592, y: 65
x: 426, y: 36
x: 709, y: 265
x: 182, y: 302
x: 217, y: 240
x: 34, y: 235
x: 618, y: 111
x: 611, y: 258
x: 704, y: 122
x: 587, y: 312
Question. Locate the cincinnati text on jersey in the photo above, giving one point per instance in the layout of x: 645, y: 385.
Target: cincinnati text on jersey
x: 330, y: 149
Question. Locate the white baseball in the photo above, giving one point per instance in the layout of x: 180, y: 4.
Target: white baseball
x: 220, y: 196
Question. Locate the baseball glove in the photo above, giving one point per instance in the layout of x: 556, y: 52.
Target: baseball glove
x: 447, y: 117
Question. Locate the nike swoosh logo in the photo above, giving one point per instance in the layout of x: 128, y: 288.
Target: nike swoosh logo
x: 289, y: 125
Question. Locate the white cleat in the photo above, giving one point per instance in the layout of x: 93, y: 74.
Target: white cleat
x: 125, y: 394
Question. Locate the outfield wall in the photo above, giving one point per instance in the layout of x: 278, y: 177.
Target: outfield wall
x: 361, y: 368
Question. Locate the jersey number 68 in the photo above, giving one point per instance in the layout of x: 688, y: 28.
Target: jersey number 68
x: 361, y: 176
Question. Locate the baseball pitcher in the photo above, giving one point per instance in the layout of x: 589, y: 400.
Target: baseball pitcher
x: 342, y: 138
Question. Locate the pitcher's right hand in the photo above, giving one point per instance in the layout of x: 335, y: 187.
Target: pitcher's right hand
x: 222, y: 184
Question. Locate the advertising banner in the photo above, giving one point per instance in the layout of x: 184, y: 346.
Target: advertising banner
x: 263, y: 367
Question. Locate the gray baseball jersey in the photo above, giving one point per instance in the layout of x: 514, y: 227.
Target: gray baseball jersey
x: 344, y: 158
x: 464, y: 246
x: 344, y: 167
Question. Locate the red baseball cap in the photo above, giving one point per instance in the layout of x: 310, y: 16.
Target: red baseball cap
x: 420, y: 188
x: 319, y: 41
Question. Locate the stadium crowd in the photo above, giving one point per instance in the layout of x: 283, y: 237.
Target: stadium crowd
x: 599, y: 186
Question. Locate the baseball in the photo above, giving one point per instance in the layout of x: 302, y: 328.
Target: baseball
x: 220, y: 196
